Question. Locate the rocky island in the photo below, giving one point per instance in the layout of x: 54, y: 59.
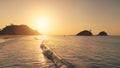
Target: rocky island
x: 85, y: 33
x: 89, y: 33
x: 18, y: 30
x: 102, y: 33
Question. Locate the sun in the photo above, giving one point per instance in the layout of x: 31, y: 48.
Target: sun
x: 43, y: 25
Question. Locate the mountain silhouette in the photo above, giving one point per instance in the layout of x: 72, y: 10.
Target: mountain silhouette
x: 18, y: 30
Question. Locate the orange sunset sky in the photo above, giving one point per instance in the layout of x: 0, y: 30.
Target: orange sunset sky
x: 62, y: 17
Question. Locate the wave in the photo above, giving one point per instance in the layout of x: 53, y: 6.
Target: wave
x: 58, y: 61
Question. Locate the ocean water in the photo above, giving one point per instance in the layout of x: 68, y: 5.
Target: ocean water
x: 81, y: 52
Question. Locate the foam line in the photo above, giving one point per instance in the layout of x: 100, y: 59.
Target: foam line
x: 58, y: 61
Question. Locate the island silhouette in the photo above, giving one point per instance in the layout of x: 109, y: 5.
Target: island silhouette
x: 102, y: 33
x: 25, y: 30
x: 89, y: 33
x: 85, y: 33
x: 18, y: 30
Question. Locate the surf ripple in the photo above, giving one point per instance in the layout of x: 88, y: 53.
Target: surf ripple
x: 58, y: 61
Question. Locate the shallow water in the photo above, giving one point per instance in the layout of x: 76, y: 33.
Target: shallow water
x: 82, y: 52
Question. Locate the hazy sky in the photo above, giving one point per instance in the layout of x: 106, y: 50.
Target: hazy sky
x: 63, y: 16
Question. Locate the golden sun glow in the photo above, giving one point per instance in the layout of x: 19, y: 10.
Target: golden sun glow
x: 43, y: 25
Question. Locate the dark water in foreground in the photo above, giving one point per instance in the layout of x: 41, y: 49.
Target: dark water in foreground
x: 82, y: 52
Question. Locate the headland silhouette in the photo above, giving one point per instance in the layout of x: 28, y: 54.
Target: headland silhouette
x: 18, y: 30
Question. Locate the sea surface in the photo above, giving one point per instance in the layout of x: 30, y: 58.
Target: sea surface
x: 81, y: 52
